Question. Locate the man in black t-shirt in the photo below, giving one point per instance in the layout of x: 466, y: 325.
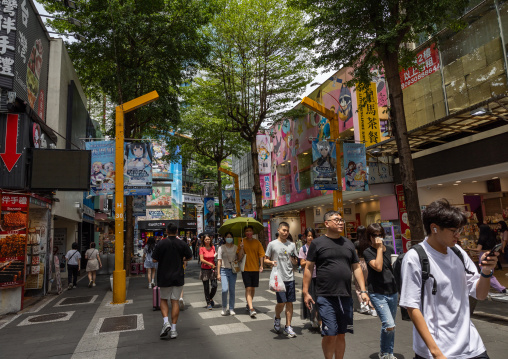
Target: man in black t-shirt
x: 170, y: 253
x: 335, y: 259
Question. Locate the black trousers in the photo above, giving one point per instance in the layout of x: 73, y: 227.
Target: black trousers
x: 209, y: 293
x: 72, y: 271
x: 481, y: 356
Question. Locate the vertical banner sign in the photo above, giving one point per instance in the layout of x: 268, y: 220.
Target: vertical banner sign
x: 368, y: 116
x: 404, y: 223
x: 264, y: 154
x: 138, y: 168
x: 427, y: 60
x: 209, y: 207
x: 357, y: 177
x: 246, y: 201
x: 8, y: 31
x: 266, y: 186
x: 303, y: 221
x: 199, y: 218
x: 36, y: 248
x: 13, y: 240
x: 102, y: 179
x: 228, y: 202
x: 139, y: 205
x: 324, y: 165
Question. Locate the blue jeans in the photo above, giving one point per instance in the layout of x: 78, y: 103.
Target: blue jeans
x: 386, y: 308
x: 228, y: 279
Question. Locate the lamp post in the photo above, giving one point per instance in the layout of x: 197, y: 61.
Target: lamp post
x: 119, y: 288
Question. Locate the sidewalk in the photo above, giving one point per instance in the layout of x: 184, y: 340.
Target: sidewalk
x: 83, y: 324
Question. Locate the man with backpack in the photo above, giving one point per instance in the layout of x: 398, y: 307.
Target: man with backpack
x: 436, y: 296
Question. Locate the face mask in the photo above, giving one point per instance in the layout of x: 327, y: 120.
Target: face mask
x: 229, y: 240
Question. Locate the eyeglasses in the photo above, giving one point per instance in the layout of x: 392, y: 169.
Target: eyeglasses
x: 337, y: 220
x: 456, y: 232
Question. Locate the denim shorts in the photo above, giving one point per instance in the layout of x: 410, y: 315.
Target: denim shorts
x: 336, y: 314
x: 289, y: 295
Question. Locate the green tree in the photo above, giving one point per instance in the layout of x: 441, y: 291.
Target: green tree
x: 208, y: 129
x: 372, y: 33
x: 134, y: 47
x: 259, y: 60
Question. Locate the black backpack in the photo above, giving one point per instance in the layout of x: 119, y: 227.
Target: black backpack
x: 425, y: 264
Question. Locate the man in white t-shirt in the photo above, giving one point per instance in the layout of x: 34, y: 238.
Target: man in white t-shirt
x: 442, y: 325
x: 282, y: 253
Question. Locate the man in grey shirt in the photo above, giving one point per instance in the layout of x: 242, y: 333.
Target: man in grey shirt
x: 282, y: 253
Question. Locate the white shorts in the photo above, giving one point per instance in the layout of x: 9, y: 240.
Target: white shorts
x: 172, y: 293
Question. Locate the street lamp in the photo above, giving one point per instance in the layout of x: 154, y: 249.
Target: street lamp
x: 482, y: 111
x: 70, y: 4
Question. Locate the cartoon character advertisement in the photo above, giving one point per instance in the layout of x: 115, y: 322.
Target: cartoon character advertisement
x: 102, y: 180
x: 137, y: 168
x: 246, y: 201
x: 324, y: 165
x: 264, y: 153
x: 228, y: 201
x: 356, y: 172
x: 209, y: 214
x: 160, y: 167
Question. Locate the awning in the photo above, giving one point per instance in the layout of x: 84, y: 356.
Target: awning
x: 452, y: 127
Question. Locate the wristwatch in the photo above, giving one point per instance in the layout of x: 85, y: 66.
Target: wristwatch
x: 364, y: 291
x: 487, y: 275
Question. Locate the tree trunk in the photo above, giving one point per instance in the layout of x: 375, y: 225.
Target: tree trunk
x: 257, y: 188
x: 219, y: 194
x: 129, y: 234
x: 406, y: 168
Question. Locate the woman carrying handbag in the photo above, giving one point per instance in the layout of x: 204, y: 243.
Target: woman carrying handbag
x: 229, y: 267
x: 208, y: 272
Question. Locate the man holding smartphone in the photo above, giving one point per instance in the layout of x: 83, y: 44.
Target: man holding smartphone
x: 282, y: 253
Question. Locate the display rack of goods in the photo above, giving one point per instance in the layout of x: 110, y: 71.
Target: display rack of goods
x: 11, y: 271
x: 12, y: 245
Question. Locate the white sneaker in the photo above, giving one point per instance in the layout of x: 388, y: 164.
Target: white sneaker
x: 364, y: 308
x: 224, y: 312
x: 276, y: 324
x: 173, y: 334
x: 150, y: 286
x: 232, y: 312
x: 166, y: 327
x: 373, y: 312
x: 289, y: 332
x: 181, y: 304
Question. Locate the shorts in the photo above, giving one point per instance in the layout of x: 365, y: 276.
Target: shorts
x: 481, y: 356
x: 250, y: 279
x: 336, y: 314
x: 289, y: 296
x: 172, y: 293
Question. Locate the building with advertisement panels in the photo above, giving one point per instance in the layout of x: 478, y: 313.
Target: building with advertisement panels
x: 43, y: 120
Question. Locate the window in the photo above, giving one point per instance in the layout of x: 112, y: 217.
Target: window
x: 305, y: 173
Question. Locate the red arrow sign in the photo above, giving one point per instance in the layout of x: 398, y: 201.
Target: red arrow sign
x: 11, y: 155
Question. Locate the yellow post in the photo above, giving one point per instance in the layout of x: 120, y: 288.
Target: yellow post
x: 332, y: 116
x: 119, y: 285
x: 237, y: 189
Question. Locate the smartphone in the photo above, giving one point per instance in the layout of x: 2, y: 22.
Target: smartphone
x: 496, y: 248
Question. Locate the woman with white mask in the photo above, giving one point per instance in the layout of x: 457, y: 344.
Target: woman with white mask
x: 226, y: 262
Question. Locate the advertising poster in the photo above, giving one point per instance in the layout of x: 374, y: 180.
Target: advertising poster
x: 228, y: 201
x: 160, y: 197
x: 139, y: 205
x: 266, y: 186
x: 137, y: 168
x: 368, y: 115
x: 160, y: 167
x: 13, y: 240
x: 209, y: 215
x: 356, y: 172
x: 199, y: 219
x: 264, y: 154
x: 36, y: 250
x: 102, y: 179
x: 404, y: 222
x: 428, y: 59
x: 246, y: 201
x: 324, y: 164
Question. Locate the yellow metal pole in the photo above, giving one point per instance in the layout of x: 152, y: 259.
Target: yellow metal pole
x: 119, y: 287
x: 119, y: 275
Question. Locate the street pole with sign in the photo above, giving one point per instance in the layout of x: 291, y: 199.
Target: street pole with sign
x: 119, y: 276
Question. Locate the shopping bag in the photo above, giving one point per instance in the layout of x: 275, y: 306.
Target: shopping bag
x: 276, y: 284
x: 242, y: 262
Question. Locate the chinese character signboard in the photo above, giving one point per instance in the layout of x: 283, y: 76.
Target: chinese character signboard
x: 102, y: 180
x: 266, y: 186
x: 138, y: 169
x: 13, y: 235
x: 324, y: 165
x: 368, y: 116
x: 428, y: 63
x: 8, y: 20
x: 357, y: 178
x: 404, y: 223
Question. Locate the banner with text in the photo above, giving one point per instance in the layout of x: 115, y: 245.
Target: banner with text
x: 266, y: 186
x: 427, y: 61
x: 368, y: 115
x: 102, y: 180
x: 357, y: 177
x: 324, y: 165
x: 138, y: 168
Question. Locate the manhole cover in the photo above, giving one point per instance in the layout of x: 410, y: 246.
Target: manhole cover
x: 118, y: 324
x: 76, y: 300
x: 47, y: 317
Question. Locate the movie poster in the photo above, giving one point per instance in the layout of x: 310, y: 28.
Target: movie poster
x: 228, y: 202
x: 209, y: 208
x: 137, y: 168
x: 356, y: 172
x: 324, y: 165
x: 246, y: 201
x: 102, y: 179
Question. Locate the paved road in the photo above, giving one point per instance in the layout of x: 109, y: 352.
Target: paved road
x: 76, y: 333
